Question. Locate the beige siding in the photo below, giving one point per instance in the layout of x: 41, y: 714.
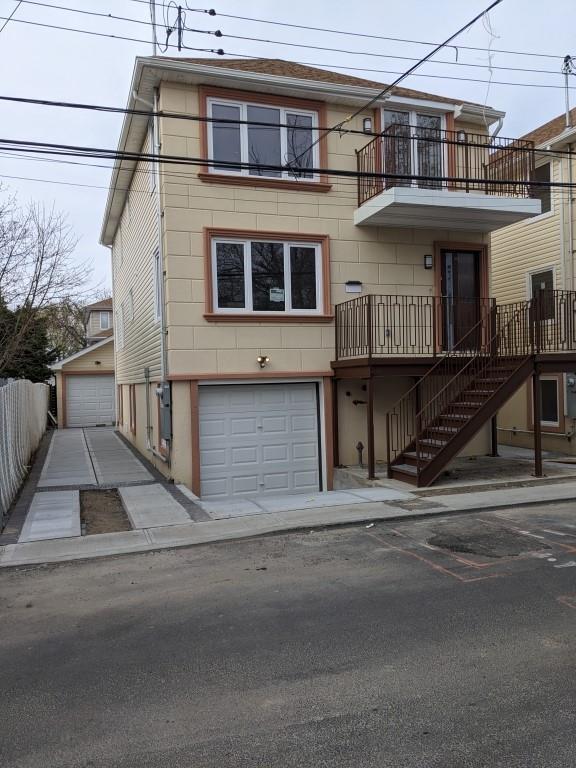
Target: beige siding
x: 386, y: 260
x: 526, y: 247
x: 93, y: 325
x: 133, y: 274
x: 101, y: 359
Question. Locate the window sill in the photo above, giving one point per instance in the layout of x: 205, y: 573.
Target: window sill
x: 257, y: 181
x: 217, y: 317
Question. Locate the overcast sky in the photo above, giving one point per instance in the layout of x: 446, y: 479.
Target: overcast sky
x: 40, y: 62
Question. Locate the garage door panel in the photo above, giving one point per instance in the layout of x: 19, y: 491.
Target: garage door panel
x: 267, y: 437
x: 90, y: 400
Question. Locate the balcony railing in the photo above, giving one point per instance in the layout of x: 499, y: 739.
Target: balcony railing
x: 429, y: 158
x: 376, y: 325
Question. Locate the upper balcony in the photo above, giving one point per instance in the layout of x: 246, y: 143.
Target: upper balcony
x: 439, y: 179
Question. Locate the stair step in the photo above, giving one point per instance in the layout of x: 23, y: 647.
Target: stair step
x: 405, y: 469
x: 444, y: 430
x: 430, y: 441
x: 423, y: 456
x: 456, y: 416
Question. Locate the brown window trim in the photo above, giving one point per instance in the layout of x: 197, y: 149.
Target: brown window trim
x: 561, y: 428
x: 132, y: 397
x: 222, y: 317
x: 205, y: 92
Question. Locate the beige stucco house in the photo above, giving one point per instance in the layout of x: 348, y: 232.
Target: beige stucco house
x: 271, y: 303
x: 85, y: 391
x: 539, y: 255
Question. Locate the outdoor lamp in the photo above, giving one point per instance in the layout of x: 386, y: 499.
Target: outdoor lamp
x: 262, y: 360
x: 428, y: 261
x: 367, y: 125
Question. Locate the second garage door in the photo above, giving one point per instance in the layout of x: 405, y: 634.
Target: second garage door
x: 89, y: 401
x: 258, y: 439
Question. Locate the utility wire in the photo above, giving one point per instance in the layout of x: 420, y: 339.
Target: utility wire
x: 398, y: 80
x: 7, y: 19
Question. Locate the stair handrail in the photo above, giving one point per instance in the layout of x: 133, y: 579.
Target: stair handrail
x: 414, y: 390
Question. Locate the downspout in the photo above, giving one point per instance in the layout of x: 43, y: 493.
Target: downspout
x: 163, y: 352
x: 498, y: 128
x: 570, y: 219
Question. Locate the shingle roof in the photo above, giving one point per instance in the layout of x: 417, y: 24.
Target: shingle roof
x: 551, y: 129
x: 103, y: 304
x: 283, y: 68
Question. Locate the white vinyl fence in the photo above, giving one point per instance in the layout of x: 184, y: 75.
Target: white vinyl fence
x: 23, y: 409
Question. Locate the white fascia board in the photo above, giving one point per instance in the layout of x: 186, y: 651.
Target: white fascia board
x: 475, y: 113
x: 58, y: 366
x: 567, y: 136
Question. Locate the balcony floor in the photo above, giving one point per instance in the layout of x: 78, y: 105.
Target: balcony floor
x: 444, y: 209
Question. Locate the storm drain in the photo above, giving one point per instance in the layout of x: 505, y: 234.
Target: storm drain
x: 497, y: 542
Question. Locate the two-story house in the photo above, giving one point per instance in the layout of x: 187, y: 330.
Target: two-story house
x: 537, y: 257
x: 279, y: 286
x: 85, y: 392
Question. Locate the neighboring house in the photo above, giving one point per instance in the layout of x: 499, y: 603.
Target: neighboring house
x: 85, y: 392
x: 269, y: 313
x: 99, y: 321
x: 538, y: 256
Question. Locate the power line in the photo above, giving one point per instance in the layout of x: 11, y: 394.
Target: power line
x: 7, y: 20
x: 221, y: 52
x: 331, y: 30
x: 97, y: 152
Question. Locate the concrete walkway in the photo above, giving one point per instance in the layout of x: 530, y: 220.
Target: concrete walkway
x: 68, y: 461
x: 191, y: 533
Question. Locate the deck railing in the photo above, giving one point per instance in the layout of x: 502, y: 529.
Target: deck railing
x: 429, y: 158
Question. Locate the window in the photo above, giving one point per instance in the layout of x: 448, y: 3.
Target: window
x: 549, y: 402
x: 412, y: 146
x: 104, y: 321
x: 120, y: 329
x: 132, y: 405
x: 266, y: 276
x: 541, y: 288
x: 274, y: 137
x: 542, y: 173
x: 157, y: 282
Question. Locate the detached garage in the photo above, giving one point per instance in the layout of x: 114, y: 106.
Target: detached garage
x: 85, y: 389
x: 258, y: 439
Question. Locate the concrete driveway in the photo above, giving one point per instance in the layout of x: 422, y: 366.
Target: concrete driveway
x: 342, y: 649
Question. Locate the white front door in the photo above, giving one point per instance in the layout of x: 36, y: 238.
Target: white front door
x: 258, y: 439
x: 90, y: 401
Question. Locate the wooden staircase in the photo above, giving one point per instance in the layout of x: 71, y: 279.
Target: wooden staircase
x: 448, y: 406
x: 440, y: 441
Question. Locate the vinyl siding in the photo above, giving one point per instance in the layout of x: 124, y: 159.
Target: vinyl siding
x: 104, y: 355
x: 133, y: 268
x: 93, y: 325
x: 525, y: 247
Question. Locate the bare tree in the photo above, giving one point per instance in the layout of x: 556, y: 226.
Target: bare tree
x: 36, y: 268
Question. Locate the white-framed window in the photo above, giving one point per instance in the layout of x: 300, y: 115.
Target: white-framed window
x: 281, y: 135
x: 104, y: 321
x: 267, y: 277
x: 550, y: 401
x: 414, y: 147
x: 157, y: 284
x: 543, y: 173
x: 151, y: 150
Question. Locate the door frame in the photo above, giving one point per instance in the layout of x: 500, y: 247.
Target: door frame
x: 484, y: 267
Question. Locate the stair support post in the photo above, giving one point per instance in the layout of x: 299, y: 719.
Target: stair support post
x: 537, y: 419
x: 370, y: 429
x: 494, y: 436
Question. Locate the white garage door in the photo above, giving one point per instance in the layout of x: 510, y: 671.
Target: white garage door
x: 90, y: 401
x: 258, y: 439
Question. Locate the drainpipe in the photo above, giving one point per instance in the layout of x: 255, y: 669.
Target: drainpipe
x: 572, y: 285
x: 498, y: 128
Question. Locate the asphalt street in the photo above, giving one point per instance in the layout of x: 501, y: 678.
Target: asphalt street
x: 439, y: 643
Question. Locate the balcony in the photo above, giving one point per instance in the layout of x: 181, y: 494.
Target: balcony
x: 437, y: 179
x: 379, y: 327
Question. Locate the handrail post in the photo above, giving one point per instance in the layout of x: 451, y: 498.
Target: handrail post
x: 358, y: 180
x: 388, y: 451
x: 369, y: 325
x: 336, y: 333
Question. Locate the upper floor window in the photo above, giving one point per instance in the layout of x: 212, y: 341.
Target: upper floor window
x: 542, y: 173
x: 268, y: 277
x: 104, y: 321
x: 270, y: 139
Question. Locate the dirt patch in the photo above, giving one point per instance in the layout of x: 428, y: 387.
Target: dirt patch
x: 499, y: 542
x: 102, y: 512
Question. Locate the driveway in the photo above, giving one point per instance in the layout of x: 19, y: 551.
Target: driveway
x: 343, y: 648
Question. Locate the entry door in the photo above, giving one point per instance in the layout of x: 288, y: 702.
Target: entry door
x: 461, y: 290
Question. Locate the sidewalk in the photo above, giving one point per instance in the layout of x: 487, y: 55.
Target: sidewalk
x: 182, y: 533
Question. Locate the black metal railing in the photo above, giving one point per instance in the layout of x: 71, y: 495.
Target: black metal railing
x: 379, y: 325
x: 429, y: 158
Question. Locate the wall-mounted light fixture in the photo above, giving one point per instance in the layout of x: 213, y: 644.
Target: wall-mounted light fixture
x: 428, y: 261
x: 353, y: 286
x: 461, y: 136
x: 367, y: 125
x: 97, y: 362
x: 262, y: 360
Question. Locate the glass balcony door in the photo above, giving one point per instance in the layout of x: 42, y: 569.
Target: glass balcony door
x: 413, y: 147
x: 460, y: 285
